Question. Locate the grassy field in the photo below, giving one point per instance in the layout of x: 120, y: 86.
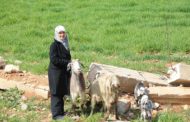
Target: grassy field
x: 138, y: 34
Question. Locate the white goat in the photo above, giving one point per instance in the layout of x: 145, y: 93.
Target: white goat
x: 77, y: 83
x: 105, y: 88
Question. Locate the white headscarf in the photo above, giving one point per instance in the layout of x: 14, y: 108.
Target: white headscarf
x: 64, y: 41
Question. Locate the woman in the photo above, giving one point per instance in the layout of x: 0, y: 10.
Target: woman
x: 57, y: 72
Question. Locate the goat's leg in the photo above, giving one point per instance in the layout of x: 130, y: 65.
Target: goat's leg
x: 149, y: 114
x: 73, y: 108
x: 74, y: 99
x: 142, y: 115
x: 103, y: 107
x: 93, y: 103
x: 115, y: 111
x: 83, y: 106
x: 107, y: 112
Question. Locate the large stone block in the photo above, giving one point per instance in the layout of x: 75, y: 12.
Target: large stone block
x: 179, y: 74
x: 128, y: 78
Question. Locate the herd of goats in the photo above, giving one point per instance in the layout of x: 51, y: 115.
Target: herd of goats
x: 105, y: 89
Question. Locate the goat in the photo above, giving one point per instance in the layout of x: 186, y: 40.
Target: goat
x: 146, y: 106
x: 139, y: 91
x: 142, y: 100
x: 105, y: 88
x: 77, y: 83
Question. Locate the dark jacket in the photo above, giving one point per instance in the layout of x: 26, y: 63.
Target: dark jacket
x: 57, y: 72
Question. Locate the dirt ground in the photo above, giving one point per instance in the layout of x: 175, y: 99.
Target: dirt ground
x: 25, y: 77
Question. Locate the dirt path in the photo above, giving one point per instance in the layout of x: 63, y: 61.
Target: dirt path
x: 26, y: 77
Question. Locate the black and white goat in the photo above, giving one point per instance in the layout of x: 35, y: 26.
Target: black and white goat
x: 142, y: 100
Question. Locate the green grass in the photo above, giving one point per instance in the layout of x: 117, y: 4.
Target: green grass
x: 10, y: 110
x: 171, y: 117
x: 116, y: 32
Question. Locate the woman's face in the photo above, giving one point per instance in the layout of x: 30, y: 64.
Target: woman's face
x: 62, y: 35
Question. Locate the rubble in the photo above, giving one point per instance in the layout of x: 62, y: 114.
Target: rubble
x: 160, y: 90
x: 179, y: 74
x: 10, y: 68
x: 123, y: 106
x: 23, y: 106
x: 128, y: 78
x: 170, y: 95
x: 42, y: 91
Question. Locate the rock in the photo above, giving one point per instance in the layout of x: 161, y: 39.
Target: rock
x: 7, y: 84
x: 14, y: 109
x: 185, y: 107
x: 156, y: 105
x: 123, y: 106
x: 179, y: 74
x: 128, y: 78
x: 43, y: 109
x: 76, y: 118
x: 170, y: 95
x: 131, y: 115
x: 49, y: 115
x: 24, y: 106
x: 10, y: 68
x: 46, y: 76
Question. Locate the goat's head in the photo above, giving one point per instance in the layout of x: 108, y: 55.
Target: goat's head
x: 115, y: 84
x: 142, y: 91
x: 144, y: 100
x: 75, y: 66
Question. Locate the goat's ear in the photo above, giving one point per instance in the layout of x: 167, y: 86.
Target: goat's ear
x: 69, y: 66
x: 97, y: 74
